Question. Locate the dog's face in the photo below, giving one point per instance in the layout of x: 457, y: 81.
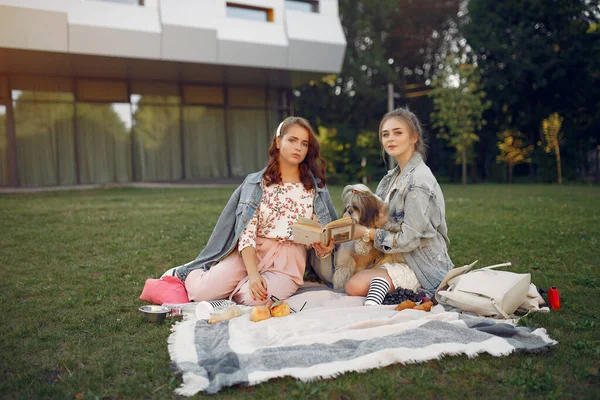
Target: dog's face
x: 364, y: 207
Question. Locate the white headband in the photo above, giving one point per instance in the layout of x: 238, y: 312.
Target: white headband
x: 279, y: 129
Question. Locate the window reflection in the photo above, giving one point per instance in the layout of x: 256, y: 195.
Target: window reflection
x: 3, y: 148
x: 134, y: 2
x: 157, y: 137
x: 44, y: 136
x: 245, y: 12
x: 306, y: 6
x: 104, y: 142
x: 204, y: 142
x: 249, y: 141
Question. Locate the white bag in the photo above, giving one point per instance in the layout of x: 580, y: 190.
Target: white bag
x: 484, y: 291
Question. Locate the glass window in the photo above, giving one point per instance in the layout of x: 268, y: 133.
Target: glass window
x: 157, y: 142
x: 249, y: 141
x: 42, y: 88
x: 3, y: 148
x: 4, y: 90
x: 156, y: 129
x: 249, y: 12
x: 104, y: 138
x: 246, y: 97
x: 105, y: 91
x: 299, y: 5
x: 197, y: 94
x: 135, y: 2
x: 45, y: 141
x: 155, y: 93
x: 204, y: 143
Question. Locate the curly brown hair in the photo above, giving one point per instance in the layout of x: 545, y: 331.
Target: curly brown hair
x: 312, y: 165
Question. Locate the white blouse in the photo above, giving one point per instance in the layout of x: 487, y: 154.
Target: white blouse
x: 280, y: 207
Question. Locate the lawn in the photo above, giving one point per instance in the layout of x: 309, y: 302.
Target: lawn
x: 74, y: 264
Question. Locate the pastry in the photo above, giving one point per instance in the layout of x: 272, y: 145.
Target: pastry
x: 425, y: 306
x: 260, y: 313
x: 405, y: 304
x: 280, y: 309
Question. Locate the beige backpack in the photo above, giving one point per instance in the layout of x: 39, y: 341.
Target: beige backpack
x: 484, y: 291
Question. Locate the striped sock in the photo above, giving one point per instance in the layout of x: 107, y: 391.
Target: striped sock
x: 377, y: 291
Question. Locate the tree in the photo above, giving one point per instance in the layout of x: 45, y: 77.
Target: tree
x: 388, y: 41
x: 513, y: 151
x: 459, y: 103
x: 551, y: 127
x: 536, y: 58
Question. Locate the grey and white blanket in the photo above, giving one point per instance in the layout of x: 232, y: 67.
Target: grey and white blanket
x: 332, y: 335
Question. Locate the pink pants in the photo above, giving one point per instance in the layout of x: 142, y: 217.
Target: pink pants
x: 281, y: 264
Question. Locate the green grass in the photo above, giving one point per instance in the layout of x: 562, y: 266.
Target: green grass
x: 74, y: 263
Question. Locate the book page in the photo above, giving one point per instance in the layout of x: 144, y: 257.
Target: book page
x: 340, y: 222
x: 309, y: 223
x: 306, y: 234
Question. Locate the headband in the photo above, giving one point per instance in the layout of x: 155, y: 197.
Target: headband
x: 279, y: 129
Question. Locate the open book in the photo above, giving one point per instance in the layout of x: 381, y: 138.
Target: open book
x: 307, y: 231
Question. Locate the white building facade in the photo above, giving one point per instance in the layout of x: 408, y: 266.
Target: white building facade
x: 101, y: 91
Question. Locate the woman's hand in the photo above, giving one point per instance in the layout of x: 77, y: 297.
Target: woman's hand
x: 359, y: 232
x: 258, y: 287
x: 323, y: 249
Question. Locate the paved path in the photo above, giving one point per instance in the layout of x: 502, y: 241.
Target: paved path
x: 171, y: 185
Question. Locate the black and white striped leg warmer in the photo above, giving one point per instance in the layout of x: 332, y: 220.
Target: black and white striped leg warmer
x: 377, y: 291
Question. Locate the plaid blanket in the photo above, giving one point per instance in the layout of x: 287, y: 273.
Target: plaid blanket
x: 333, y: 334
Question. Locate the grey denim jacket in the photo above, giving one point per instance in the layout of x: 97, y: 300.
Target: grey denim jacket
x: 239, y: 211
x: 417, y: 222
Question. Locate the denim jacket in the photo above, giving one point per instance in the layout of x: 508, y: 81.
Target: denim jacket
x: 239, y: 211
x: 417, y: 222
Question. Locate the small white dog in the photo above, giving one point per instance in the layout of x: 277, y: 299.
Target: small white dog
x: 367, y: 209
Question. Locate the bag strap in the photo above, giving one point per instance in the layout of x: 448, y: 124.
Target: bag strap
x: 498, y: 308
x: 506, y: 264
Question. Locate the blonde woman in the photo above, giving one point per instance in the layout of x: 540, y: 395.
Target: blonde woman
x: 416, y: 227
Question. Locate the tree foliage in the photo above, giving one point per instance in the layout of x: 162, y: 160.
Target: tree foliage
x: 513, y: 150
x: 534, y: 58
x: 538, y: 58
x: 388, y: 41
x: 459, y: 102
x: 553, y: 135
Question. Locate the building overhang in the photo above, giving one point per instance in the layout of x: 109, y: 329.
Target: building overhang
x: 42, y: 63
x: 173, y: 40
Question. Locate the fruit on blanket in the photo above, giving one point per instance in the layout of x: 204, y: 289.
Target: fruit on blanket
x: 225, y: 315
x: 425, y: 306
x: 406, y: 304
x: 260, y: 313
x: 280, y: 309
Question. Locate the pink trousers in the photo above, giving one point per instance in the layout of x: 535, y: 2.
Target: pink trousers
x: 281, y: 264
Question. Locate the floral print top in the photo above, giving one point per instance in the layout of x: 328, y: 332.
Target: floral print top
x: 280, y: 207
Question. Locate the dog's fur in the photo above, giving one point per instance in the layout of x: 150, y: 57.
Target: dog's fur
x: 367, y: 209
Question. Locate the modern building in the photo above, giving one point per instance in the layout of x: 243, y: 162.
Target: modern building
x: 99, y: 91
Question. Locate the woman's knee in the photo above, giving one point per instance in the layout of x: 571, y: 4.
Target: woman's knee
x: 356, y: 286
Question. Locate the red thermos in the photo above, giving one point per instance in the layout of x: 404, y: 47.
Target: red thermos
x: 554, y: 298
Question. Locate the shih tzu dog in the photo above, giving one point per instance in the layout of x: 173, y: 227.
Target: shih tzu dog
x: 367, y: 209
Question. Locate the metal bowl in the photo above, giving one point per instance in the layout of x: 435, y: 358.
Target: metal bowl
x: 154, y: 313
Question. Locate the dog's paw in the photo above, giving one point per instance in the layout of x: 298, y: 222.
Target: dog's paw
x: 343, y: 272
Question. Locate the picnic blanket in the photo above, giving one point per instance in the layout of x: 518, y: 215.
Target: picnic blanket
x: 332, y: 335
